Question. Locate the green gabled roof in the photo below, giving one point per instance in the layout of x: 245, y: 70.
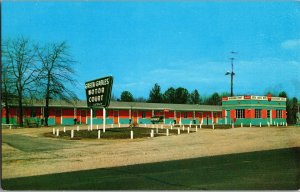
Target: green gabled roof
x: 128, y: 105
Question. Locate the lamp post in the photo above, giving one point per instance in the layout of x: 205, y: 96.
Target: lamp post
x: 231, y: 74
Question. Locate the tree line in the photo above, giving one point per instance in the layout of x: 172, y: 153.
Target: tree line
x: 34, y: 71
x: 173, y: 95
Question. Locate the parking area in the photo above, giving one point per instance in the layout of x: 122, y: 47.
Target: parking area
x: 27, y: 152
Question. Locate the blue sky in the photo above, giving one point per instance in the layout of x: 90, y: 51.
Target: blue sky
x: 175, y: 44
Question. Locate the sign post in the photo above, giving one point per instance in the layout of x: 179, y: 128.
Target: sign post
x: 104, y: 119
x: 91, y: 119
x: 98, y: 94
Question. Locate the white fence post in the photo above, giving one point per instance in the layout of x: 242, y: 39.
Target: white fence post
x: 242, y: 125
x: 259, y: 124
x: 53, y: 131
x: 57, y: 132
x: 131, y: 134
x: 196, y: 128
x: 167, y: 132
x: 250, y: 125
x: 183, y: 128
x: 152, y: 133
x: 277, y: 124
x: 232, y: 125
x: 99, y: 134
x: 213, y: 126
x: 77, y: 127
x: 72, y: 133
x: 188, y: 129
x: 178, y: 130
x: 200, y: 125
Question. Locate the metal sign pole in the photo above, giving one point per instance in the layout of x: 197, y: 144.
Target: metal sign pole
x: 91, y: 118
x: 104, y: 119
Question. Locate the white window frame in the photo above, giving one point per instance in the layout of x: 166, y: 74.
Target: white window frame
x: 240, y: 113
x: 258, y: 113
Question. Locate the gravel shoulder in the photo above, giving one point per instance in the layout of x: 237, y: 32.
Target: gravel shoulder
x: 91, y: 154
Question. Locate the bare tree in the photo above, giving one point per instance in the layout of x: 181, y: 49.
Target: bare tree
x: 56, y: 73
x: 8, y: 90
x: 19, y: 57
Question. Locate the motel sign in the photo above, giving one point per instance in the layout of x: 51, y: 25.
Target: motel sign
x: 98, y: 92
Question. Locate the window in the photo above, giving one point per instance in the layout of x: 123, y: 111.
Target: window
x: 257, y: 113
x: 278, y: 113
x: 240, y: 113
x: 268, y: 113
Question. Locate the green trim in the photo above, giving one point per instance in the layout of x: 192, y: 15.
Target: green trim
x: 242, y: 106
x: 144, y: 121
x: 68, y: 121
x: 100, y: 121
x: 51, y: 121
x: 12, y: 120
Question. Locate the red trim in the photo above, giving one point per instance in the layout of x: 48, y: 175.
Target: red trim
x: 224, y: 98
x: 247, y: 97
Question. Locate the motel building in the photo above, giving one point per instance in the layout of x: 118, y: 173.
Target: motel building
x: 237, y: 110
x: 257, y: 110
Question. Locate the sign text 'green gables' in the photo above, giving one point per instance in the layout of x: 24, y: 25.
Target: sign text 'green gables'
x: 98, y: 92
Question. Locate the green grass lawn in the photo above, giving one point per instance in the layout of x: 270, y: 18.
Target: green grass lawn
x: 273, y: 169
x: 34, y: 144
x: 116, y: 133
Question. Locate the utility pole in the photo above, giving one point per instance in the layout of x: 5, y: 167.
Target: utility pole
x: 231, y: 73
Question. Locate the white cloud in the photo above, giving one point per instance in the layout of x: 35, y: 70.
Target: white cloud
x: 291, y: 44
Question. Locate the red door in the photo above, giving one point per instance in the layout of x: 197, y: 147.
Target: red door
x: 58, y: 116
x: 116, y: 117
x: 135, y: 114
x: 177, y: 117
x: 83, y: 116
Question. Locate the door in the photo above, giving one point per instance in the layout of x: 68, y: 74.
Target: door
x: 58, y: 116
x: 178, y: 117
x: 116, y: 117
x: 83, y: 116
x: 135, y: 114
x: 269, y: 116
x: 227, y: 117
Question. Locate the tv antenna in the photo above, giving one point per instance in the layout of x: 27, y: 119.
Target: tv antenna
x: 231, y: 73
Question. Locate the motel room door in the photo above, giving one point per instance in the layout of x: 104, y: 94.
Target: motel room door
x: 83, y: 116
x: 178, y: 114
x: 116, y: 117
x: 227, y: 117
x: 135, y: 116
x: 58, y: 116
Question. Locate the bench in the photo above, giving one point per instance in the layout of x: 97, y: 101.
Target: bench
x: 31, y: 123
x: 8, y: 125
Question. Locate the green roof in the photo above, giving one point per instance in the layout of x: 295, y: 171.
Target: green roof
x: 129, y: 105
